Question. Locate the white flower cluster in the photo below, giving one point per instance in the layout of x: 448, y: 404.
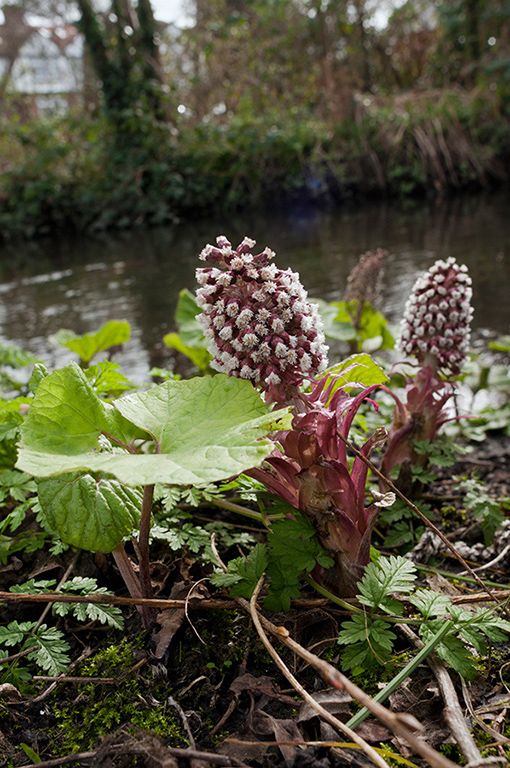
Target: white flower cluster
x: 256, y: 318
x: 435, y: 328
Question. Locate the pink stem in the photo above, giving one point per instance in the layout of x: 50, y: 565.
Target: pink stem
x: 143, y: 540
x: 131, y: 581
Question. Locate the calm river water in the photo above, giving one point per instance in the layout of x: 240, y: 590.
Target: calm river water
x: 80, y: 283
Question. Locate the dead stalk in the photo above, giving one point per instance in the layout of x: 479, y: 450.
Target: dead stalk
x: 331, y: 719
x: 404, y: 726
x: 452, y: 709
x: 157, y: 602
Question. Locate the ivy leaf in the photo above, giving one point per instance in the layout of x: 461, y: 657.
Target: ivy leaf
x: 86, y: 346
x: 389, y: 574
x: 90, y: 513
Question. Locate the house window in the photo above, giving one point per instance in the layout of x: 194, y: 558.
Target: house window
x: 51, y: 104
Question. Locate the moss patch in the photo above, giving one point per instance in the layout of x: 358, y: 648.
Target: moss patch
x: 92, y: 710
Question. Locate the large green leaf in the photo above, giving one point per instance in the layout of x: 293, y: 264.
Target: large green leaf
x: 373, y: 330
x: 204, y: 430
x: 356, y: 370
x: 67, y: 416
x: 186, y: 313
x: 90, y: 513
x: 186, y: 415
x: 199, y: 355
x: 337, y: 322
x: 190, y: 340
x: 89, y: 344
x: 344, y: 321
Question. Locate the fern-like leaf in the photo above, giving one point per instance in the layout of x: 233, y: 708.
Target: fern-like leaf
x: 431, y: 603
x: 389, y: 574
x: 51, y: 654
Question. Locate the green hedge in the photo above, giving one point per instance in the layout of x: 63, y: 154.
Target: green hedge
x: 80, y: 173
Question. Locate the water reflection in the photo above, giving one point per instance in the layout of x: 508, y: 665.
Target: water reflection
x: 80, y: 283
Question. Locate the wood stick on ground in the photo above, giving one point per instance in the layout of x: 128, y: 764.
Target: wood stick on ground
x: 331, y: 719
x: 452, y: 709
x: 498, y: 737
x: 192, y: 604
x: 190, y: 754
x: 402, y: 725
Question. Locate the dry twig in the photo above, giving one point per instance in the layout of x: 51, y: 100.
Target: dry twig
x: 331, y: 719
x: 403, y: 726
x: 213, y: 604
x: 452, y: 709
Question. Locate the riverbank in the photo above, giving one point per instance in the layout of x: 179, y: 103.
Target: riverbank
x: 78, y: 173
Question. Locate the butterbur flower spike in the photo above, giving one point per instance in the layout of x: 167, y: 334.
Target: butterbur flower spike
x: 362, y: 283
x: 260, y: 326
x: 435, y: 328
x: 257, y: 320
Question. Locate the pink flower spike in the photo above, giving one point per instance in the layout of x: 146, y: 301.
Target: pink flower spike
x: 436, y: 324
x: 259, y: 314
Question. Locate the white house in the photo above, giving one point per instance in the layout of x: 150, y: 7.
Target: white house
x: 44, y: 63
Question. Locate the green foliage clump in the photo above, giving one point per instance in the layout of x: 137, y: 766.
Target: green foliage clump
x: 488, y: 510
x: 293, y: 551
x: 369, y: 637
x: 46, y: 646
x: 75, y: 173
x: 49, y: 649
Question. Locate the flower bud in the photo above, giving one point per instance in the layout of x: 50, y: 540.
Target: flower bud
x: 435, y: 328
x: 259, y: 315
